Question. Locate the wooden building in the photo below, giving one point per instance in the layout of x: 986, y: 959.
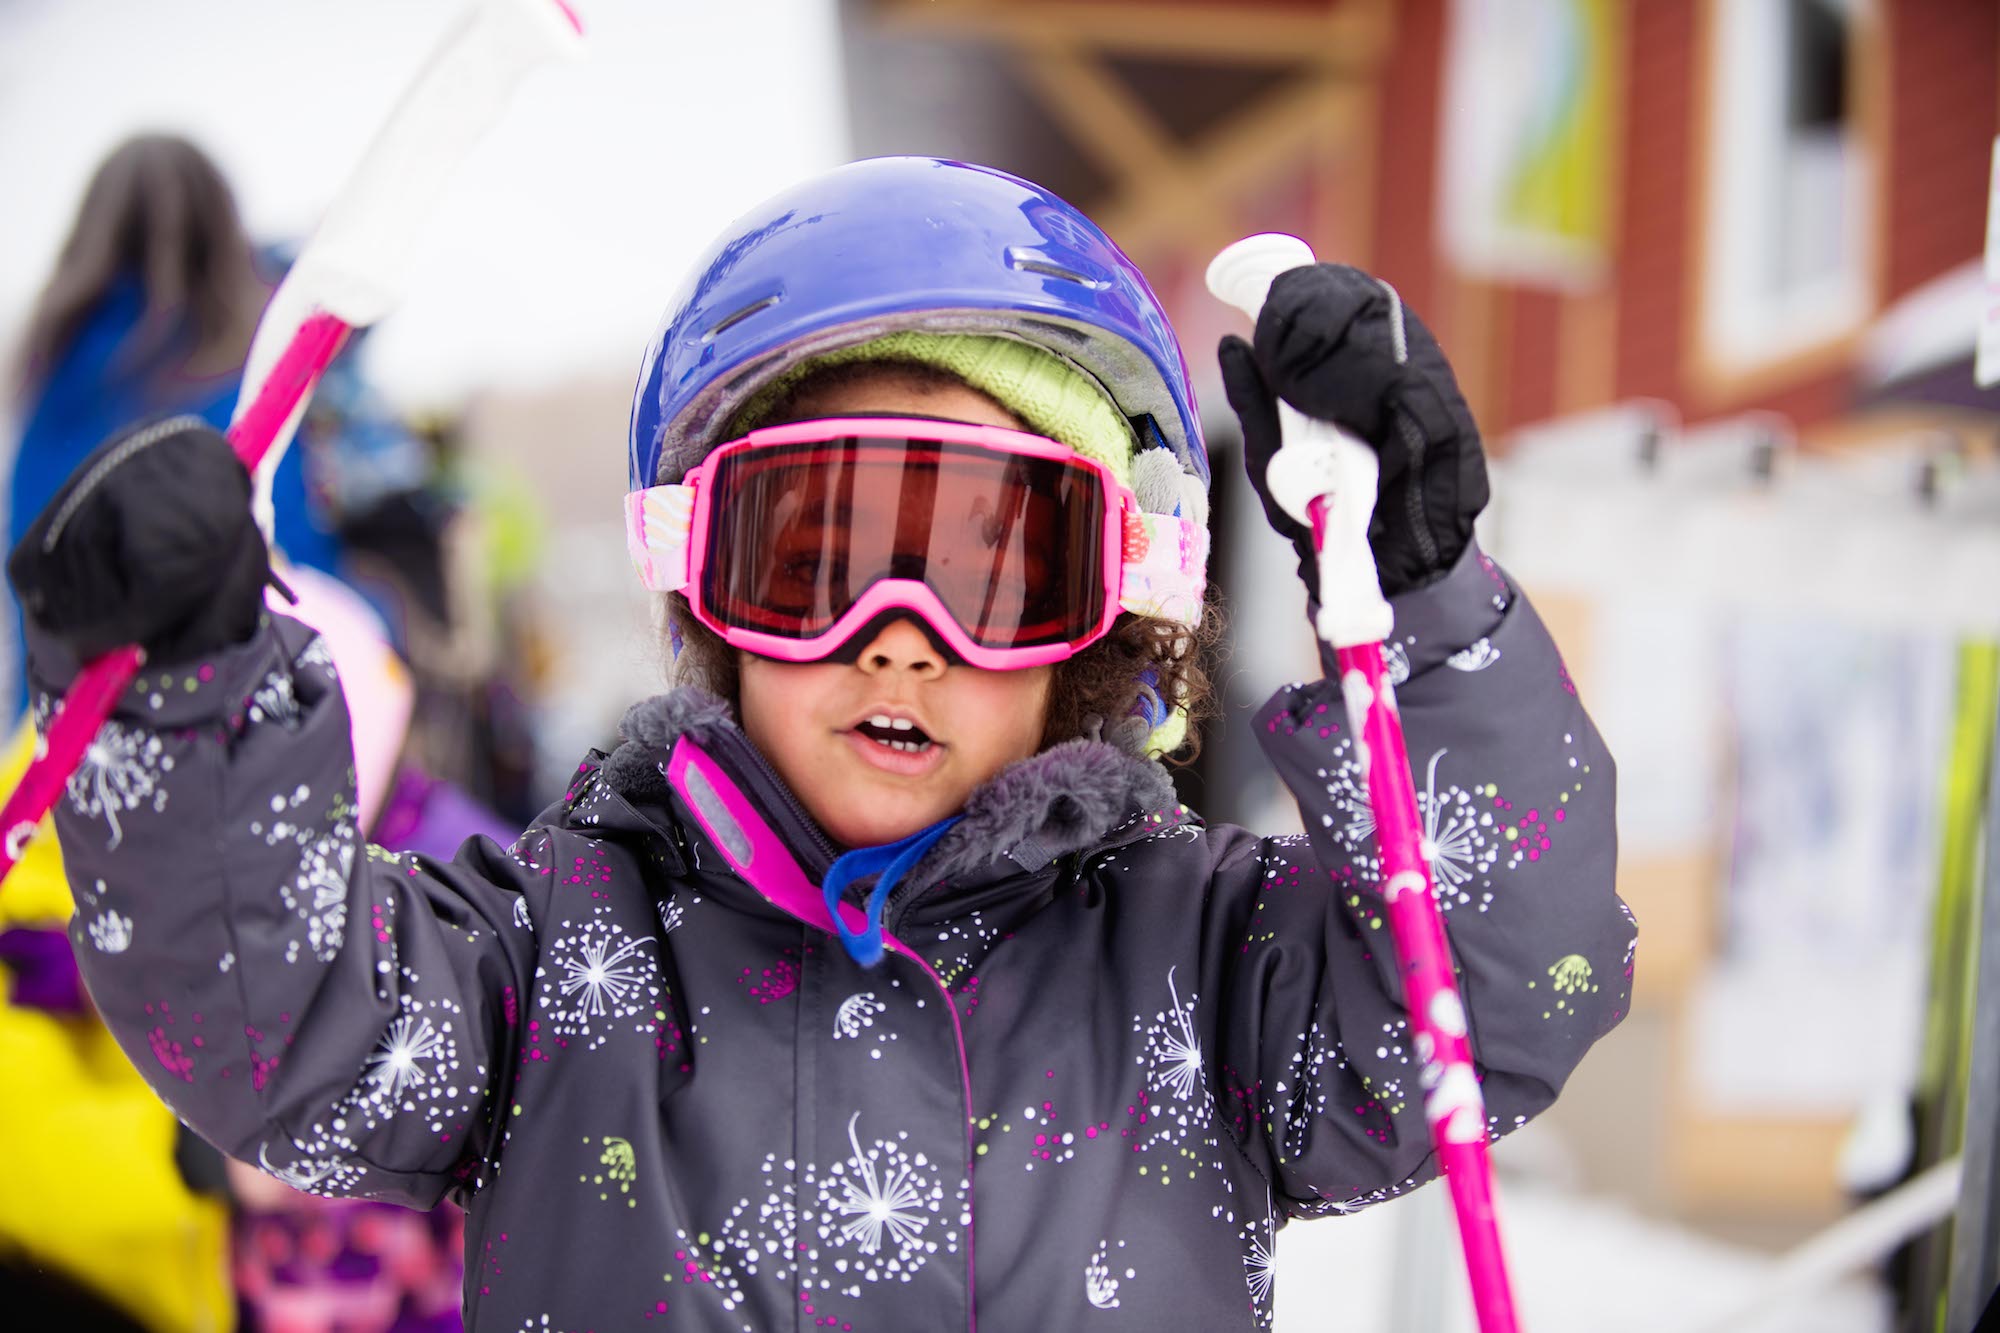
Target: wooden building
x: 1714, y: 207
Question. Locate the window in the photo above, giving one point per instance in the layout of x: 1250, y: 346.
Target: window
x: 1788, y: 230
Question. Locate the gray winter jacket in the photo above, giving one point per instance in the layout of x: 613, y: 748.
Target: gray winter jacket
x: 1127, y: 1049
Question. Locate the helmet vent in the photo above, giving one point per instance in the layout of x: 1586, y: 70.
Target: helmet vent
x: 1028, y: 262
x: 730, y: 321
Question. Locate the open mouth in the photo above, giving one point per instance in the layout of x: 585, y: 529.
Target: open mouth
x: 897, y: 733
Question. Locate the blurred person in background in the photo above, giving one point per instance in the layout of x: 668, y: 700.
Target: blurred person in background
x: 148, y: 313
x: 445, y: 547
x: 109, y: 1210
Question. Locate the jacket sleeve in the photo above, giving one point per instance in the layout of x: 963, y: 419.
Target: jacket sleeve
x: 1320, y: 1084
x: 310, y: 1004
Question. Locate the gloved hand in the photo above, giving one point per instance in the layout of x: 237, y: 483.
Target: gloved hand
x: 150, y: 541
x: 1328, y: 343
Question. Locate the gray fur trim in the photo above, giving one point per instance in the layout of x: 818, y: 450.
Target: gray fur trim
x: 649, y: 729
x: 1063, y: 800
x: 1156, y: 481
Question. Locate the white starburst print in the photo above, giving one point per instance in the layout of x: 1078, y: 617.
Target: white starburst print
x: 1475, y: 657
x: 408, y: 1055
x: 122, y: 769
x: 330, y: 1177
x: 1448, y: 833
x: 275, y: 701
x: 111, y: 933
x: 856, y: 1013
x: 880, y: 1203
x: 318, y: 894
x: 1100, y: 1284
x: 1175, y: 1047
x: 415, y: 1072
x: 1260, y: 1264
x: 317, y: 654
x: 601, y: 978
x: 604, y: 976
x: 1453, y: 844
x: 1352, y: 819
x: 1360, y: 825
x: 1395, y: 663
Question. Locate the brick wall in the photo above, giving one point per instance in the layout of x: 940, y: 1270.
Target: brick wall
x: 1944, y: 108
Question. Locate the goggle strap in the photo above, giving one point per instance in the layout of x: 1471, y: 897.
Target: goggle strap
x: 1165, y: 566
x: 658, y: 524
x: 1164, y: 556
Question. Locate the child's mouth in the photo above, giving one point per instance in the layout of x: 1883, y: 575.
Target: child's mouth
x: 895, y: 733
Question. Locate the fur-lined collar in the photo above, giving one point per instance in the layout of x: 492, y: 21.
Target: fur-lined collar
x: 1068, y: 798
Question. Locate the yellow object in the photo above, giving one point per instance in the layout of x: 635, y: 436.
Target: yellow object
x: 88, y: 1182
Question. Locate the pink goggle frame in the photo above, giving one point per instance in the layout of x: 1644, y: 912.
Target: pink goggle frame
x: 1153, y: 564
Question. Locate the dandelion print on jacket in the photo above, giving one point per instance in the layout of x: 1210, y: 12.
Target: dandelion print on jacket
x: 1114, y: 1051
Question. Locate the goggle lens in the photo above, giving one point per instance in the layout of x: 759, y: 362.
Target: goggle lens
x: 1012, y: 544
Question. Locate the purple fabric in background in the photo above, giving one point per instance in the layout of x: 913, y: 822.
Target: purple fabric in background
x: 44, y: 968
x: 348, y: 1266
x: 432, y: 817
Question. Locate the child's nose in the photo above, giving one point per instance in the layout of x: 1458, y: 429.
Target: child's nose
x: 901, y: 646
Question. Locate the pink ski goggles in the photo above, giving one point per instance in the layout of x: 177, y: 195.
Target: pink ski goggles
x: 1013, y: 549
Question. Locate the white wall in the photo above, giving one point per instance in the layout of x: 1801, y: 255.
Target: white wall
x: 567, y: 231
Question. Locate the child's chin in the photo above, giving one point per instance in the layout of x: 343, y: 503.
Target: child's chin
x: 876, y: 824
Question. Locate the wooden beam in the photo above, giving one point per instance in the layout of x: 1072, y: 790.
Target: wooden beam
x: 1104, y: 119
x: 1354, y: 35
x: 1109, y: 124
x: 1274, y: 135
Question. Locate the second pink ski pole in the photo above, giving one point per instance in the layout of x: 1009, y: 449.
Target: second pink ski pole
x: 1327, y: 479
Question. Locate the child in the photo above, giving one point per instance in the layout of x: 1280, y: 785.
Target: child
x: 882, y: 985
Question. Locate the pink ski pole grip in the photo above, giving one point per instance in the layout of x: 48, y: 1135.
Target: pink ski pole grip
x: 1327, y: 479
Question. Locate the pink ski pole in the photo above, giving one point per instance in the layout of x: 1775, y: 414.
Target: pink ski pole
x: 1325, y: 478
x: 349, y: 275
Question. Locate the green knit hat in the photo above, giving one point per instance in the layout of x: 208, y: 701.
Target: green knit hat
x: 1051, y: 397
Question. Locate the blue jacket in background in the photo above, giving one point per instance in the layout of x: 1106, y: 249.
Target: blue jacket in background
x: 89, y: 395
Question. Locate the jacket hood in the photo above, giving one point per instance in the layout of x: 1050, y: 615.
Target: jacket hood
x: 1068, y: 798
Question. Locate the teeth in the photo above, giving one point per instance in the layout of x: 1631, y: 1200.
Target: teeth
x: 902, y: 723
x: 906, y: 747
x: 881, y: 720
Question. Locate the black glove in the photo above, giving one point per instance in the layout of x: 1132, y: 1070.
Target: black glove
x: 151, y: 542
x: 1327, y: 344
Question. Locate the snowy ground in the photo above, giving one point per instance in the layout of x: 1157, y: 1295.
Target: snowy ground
x: 1579, y: 1265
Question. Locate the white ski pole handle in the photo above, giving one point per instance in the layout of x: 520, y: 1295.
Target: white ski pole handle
x: 1318, y: 467
x: 355, y: 267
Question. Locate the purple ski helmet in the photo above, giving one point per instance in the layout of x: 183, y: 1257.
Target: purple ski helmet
x: 895, y: 243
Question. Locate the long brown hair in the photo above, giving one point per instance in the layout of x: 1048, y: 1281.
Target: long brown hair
x: 157, y: 211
